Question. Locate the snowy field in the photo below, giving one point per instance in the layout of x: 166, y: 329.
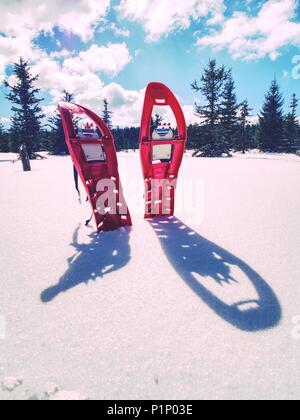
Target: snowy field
x: 198, y: 307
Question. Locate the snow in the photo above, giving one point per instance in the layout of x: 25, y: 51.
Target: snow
x: 204, y: 306
x: 68, y: 396
x: 10, y: 384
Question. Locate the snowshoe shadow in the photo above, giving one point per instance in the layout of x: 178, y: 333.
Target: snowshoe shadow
x: 106, y: 253
x: 224, y: 282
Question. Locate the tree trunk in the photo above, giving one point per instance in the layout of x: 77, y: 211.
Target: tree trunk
x: 25, y: 158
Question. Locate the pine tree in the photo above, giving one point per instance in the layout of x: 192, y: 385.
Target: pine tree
x: 292, y: 127
x: 26, y: 123
x: 46, y: 143
x: 229, y: 114
x: 195, y: 137
x: 133, y: 139
x: 59, y: 146
x: 243, y: 141
x: 271, y: 120
x: 118, y: 136
x: 126, y: 139
x: 156, y: 122
x: 211, y: 87
x: 107, y: 114
x: 4, y: 144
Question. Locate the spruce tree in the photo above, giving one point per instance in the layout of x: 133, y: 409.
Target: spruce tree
x: 211, y: 87
x: 271, y: 120
x: 118, y: 133
x: 156, y: 122
x: 292, y: 127
x: 243, y: 140
x: 133, y: 139
x: 107, y: 114
x: 229, y: 114
x: 195, y: 137
x: 59, y: 146
x: 4, y: 143
x: 26, y: 123
x: 126, y: 139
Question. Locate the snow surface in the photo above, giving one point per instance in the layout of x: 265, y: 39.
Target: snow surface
x: 201, y: 307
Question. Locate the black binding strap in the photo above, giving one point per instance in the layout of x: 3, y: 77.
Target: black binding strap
x: 76, y: 180
x: 89, y: 221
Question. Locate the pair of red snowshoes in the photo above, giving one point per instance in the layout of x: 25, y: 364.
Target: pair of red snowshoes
x: 93, y: 152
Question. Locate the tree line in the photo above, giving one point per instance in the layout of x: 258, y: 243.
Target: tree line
x: 224, y: 125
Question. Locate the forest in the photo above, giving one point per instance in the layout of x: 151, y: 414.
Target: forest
x: 225, y: 125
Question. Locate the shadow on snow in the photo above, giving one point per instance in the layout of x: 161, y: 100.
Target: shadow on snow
x: 231, y: 288
x: 106, y: 253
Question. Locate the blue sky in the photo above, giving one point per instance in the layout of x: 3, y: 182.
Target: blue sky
x: 114, y: 48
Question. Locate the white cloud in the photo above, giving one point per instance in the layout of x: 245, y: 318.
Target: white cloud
x: 62, y: 54
x: 5, y: 120
x: 12, y: 48
x: 190, y: 114
x: 23, y: 20
x: 54, y: 78
x: 121, y: 32
x: 253, y: 120
x: 49, y: 110
x: 110, y: 59
x: 78, y: 18
x: 79, y: 74
x: 167, y: 114
x: 88, y: 89
x: 162, y: 17
x: 115, y: 29
x: 127, y: 105
x: 251, y: 38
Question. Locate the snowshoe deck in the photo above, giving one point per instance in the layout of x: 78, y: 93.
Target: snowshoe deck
x: 161, y: 153
x: 94, y: 156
